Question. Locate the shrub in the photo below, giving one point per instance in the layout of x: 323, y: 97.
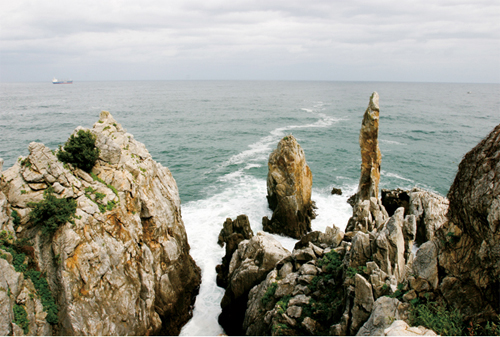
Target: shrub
x: 16, y: 219
x: 268, y: 296
x: 436, y: 317
x: 80, y: 151
x: 43, y: 291
x: 51, y: 212
x: 21, y: 318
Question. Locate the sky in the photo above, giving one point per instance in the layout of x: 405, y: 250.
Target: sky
x: 327, y: 40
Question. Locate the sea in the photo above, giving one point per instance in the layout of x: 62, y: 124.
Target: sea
x: 216, y: 137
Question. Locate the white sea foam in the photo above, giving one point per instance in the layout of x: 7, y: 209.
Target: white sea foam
x: 241, y: 193
x: 260, y: 150
x: 391, y: 142
x: 394, y: 175
x: 203, y: 219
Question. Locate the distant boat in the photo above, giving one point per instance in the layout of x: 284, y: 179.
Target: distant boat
x: 56, y: 81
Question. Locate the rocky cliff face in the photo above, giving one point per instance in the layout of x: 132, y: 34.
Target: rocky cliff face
x: 123, y: 265
x: 289, y: 183
x: 469, y: 241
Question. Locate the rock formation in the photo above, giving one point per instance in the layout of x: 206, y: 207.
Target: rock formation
x: 289, y: 183
x: 370, y: 152
x: 368, y: 211
x: 122, y: 266
x: 250, y: 264
x: 470, y: 253
x: 232, y: 233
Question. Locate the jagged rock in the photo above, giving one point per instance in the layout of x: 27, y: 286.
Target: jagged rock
x: 363, y: 303
x: 430, y: 212
x: 370, y: 152
x: 361, y: 251
x: 385, y: 311
x: 330, y: 238
x: 388, y: 248
x: 336, y: 191
x: 122, y: 268
x: 232, y: 233
x: 401, y: 328
x: 470, y: 249
x: 289, y: 183
x: 393, y: 199
x: 249, y: 266
x: 425, y: 264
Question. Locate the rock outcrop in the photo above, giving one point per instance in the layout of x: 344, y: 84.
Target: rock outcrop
x: 122, y: 266
x: 470, y: 253
x: 249, y: 266
x: 232, y: 233
x: 289, y: 183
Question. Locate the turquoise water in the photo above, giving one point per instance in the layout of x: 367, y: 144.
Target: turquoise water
x: 216, y: 137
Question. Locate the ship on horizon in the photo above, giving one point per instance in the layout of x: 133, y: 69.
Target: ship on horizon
x: 56, y: 81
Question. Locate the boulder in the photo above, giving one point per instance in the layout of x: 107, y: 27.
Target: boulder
x: 470, y: 251
x: 232, y: 233
x: 401, y: 328
x: 249, y: 266
x: 123, y: 265
x: 385, y: 311
x: 289, y: 183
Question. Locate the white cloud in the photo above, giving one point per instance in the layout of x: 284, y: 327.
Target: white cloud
x: 384, y: 38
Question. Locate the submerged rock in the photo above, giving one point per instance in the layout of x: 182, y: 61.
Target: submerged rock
x: 289, y: 183
x: 123, y: 266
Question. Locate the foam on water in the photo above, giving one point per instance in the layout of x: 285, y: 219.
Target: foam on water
x: 260, y: 150
x: 242, y: 193
x: 203, y: 219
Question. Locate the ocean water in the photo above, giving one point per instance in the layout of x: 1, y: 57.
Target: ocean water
x: 216, y: 136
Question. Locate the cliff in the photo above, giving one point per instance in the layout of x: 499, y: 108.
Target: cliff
x: 119, y: 265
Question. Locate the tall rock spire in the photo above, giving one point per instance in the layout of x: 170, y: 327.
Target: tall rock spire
x: 370, y: 152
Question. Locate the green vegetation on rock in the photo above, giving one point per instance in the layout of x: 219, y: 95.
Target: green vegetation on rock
x: 80, y: 151
x: 43, y: 291
x: 51, y: 212
x: 21, y: 318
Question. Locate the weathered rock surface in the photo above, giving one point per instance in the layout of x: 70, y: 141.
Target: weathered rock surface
x: 289, y: 183
x: 249, y: 266
x: 470, y: 255
x: 371, y: 157
x: 385, y: 311
x: 123, y: 267
x: 401, y: 328
x: 232, y: 233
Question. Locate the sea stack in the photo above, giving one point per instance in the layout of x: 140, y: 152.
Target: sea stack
x: 289, y: 182
x: 368, y: 212
x: 370, y: 152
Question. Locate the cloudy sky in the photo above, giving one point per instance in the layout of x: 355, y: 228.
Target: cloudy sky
x: 350, y: 40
